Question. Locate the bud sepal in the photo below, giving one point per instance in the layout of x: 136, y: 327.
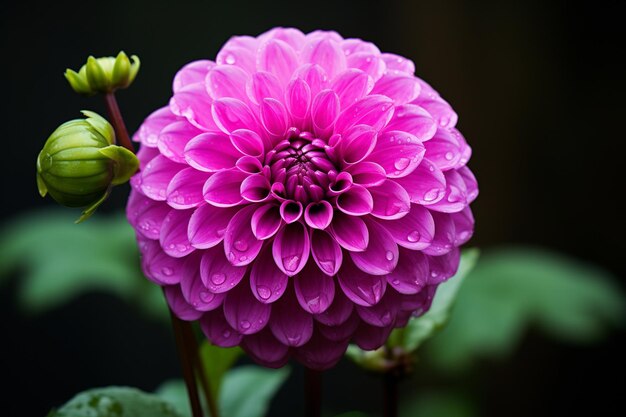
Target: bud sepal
x: 104, y: 75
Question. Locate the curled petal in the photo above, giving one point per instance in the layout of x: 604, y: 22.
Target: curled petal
x: 239, y: 51
x: 211, y: 152
x: 445, y: 232
x: 349, y: 231
x: 455, y: 197
x: 381, y: 255
x: 315, y: 291
x: 382, y: 314
x: 265, y: 349
x: 440, y: 110
x: 318, y: 215
x: 243, y: 312
x: 444, y: 266
x: 400, y: 88
x: 413, y: 231
x: 223, y: 189
x: 240, y: 244
x: 352, y: 85
x: 207, y: 225
x: 327, y: 54
x: 217, y: 330
x: 173, y: 236
x: 227, y: 81
x: 192, y: 73
x: 149, y: 217
x: 298, y: 98
x: 268, y: 283
x: 369, y: 337
x: 181, y: 308
x: 463, y: 225
x: 360, y: 287
x: 399, y: 153
x: 217, y: 273
x: 231, y: 114
x: 367, y: 174
x: 359, y: 141
x: 158, y: 266
x: 342, y: 331
x: 314, y: 76
x: 372, y: 110
x: 264, y: 85
x: 266, y: 221
x: 194, y: 290
x: 279, y: 58
x: 291, y: 248
x: 185, y: 189
x: 426, y: 185
x: 290, y: 211
x: 157, y: 175
x: 326, y: 252
x: 338, y: 312
x: 356, y: 201
x: 398, y: 64
x: 470, y: 183
x: 193, y: 103
x: 414, y: 120
x: 324, y: 111
x: 444, y: 150
x: 290, y: 324
x: 320, y: 353
x: 173, y: 139
x: 391, y: 201
x: 255, y: 188
x: 247, y: 142
x: 368, y: 62
x: 411, y: 274
x: 274, y: 117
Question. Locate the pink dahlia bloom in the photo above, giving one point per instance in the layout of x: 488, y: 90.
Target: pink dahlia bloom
x: 300, y: 193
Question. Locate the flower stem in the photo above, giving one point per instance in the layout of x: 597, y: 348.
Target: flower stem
x: 118, y: 122
x: 390, y: 394
x: 186, y: 361
x: 312, y: 393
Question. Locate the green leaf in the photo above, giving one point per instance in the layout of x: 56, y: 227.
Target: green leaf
x: 247, y: 390
x: 59, y: 260
x: 424, y: 327
x: 511, y: 289
x: 116, y: 402
x: 174, y: 392
x: 217, y: 361
x: 437, y: 404
x: 352, y: 414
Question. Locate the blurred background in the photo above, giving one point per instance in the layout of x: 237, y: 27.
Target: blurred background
x: 539, y: 87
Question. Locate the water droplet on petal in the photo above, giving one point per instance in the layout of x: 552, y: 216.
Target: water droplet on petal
x: 167, y: 271
x: 434, y: 274
x: 241, y: 245
x: 414, y: 236
x: 401, y: 163
x: 314, y: 304
x: 206, y: 296
x: 291, y: 262
x: 230, y: 59
x: 231, y: 257
x: 431, y: 195
x: 244, y: 324
x: 449, y: 156
x: 389, y: 255
x: 218, y: 278
x: 226, y: 334
x: 263, y: 292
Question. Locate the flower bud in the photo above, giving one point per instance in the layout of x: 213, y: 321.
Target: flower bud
x: 79, y: 164
x: 103, y: 75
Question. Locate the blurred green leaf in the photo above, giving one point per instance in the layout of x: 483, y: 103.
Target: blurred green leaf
x: 512, y: 288
x: 174, y: 392
x: 248, y: 390
x: 116, y: 402
x: 61, y: 260
x: 437, y: 404
x: 352, y: 414
x: 217, y: 360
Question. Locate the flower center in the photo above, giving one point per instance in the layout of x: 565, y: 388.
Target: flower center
x: 300, y: 168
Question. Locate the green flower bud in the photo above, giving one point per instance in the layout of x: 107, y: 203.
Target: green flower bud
x: 103, y: 75
x: 79, y: 164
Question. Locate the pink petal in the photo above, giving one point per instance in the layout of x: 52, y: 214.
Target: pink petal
x: 369, y: 337
x: 414, y: 120
x: 148, y: 133
x: 173, y: 237
x: 290, y: 324
x: 192, y: 73
x: 157, y: 175
x: 193, y: 103
x: 240, y: 244
x: 327, y: 54
x: 231, y: 114
x: 326, y: 252
x: 145, y: 155
x: 291, y: 36
x: 360, y: 287
x: 358, y: 142
x: 398, y: 64
x: 318, y: 215
x: 356, y: 201
x: 227, y: 81
x: 159, y: 267
x: 243, y: 312
x: 463, y: 225
x: 274, y: 117
x: 320, y: 353
x: 411, y: 274
x: 249, y: 165
x: 315, y: 291
x: 193, y: 289
x: 291, y: 248
x: 255, y: 188
x: 173, y: 139
x: 216, y: 272
x: 351, y: 85
x: 455, y: 198
x: 268, y: 283
x: 239, y: 51
x: 391, y: 201
x: 382, y: 314
x: 444, y: 150
x: 367, y: 174
x: 398, y: 87
x: 413, y: 231
x: 381, y: 255
x: 349, y: 231
x: 185, y: 189
x: 266, y: 221
x: 247, y: 142
x: 179, y: 306
x: 298, y: 98
x: 150, y: 217
x: 341, y: 184
x: 445, y: 232
x: 426, y: 185
x: 324, y: 111
x: 368, y: 62
x: 443, y: 267
x: 351, y: 46
x: 217, y: 330
x: 222, y: 189
x: 342, y: 331
x: 290, y: 211
x: 372, y: 110
x: 338, y: 312
x: 440, y: 110
x: 207, y: 225
x: 399, y: 153
x: 211, y: 152
x: 279, y: 58
x: 265, y: 349
x: 264, y: 85
x: 314, y: 76
x: 470, y: 183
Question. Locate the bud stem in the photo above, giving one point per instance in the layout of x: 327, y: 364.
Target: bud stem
x: 118, y: 122
x: 313, y: 393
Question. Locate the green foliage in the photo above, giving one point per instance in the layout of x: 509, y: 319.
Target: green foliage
x: 217, y: 361
x: 116, y: 402
x: 513, y: 288
x: 437, y: 404
x: 61, y: 260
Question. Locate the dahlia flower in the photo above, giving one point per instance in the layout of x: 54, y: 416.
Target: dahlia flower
x: 302, y: 192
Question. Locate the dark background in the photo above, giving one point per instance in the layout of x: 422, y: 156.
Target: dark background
x: 539, y: 87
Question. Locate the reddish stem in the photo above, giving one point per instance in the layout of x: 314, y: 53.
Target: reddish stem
x: 118, y: 122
